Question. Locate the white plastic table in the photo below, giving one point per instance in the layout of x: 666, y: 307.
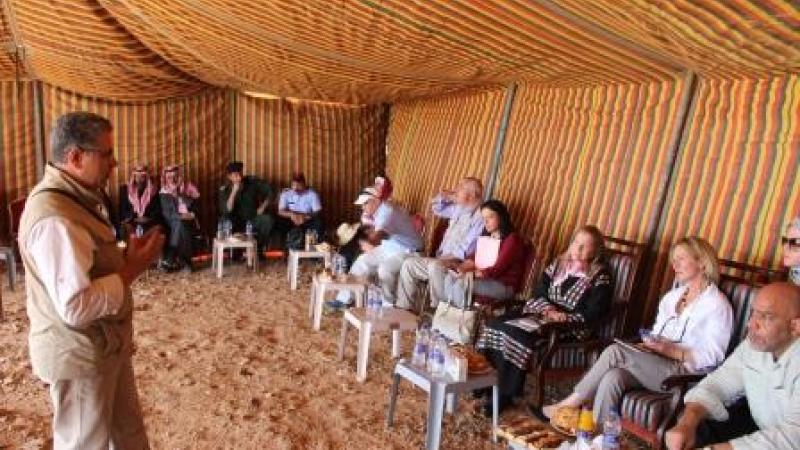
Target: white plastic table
x: 319, y: 287
x: 220, y: 245
x: 293, y: 263
x: 390, y: 319
x: 439, y: 389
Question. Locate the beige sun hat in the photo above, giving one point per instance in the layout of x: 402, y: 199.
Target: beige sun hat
x: 346, y: 231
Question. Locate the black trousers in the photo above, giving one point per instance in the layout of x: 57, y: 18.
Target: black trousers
x: 739, y: 423
x: 295, y: 234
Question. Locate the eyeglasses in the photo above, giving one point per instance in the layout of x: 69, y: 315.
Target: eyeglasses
x: 683, y: 331
x: 791, y: 242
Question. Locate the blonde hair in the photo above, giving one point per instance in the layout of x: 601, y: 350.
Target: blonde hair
x: 597, y: 239
x: 703, y: 252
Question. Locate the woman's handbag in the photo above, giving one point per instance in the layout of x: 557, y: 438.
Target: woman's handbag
x: 457, y: 324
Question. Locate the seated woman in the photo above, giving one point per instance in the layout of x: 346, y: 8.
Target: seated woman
x: 138, y: 201
x: 575, y: 288
x: 791, y: 250
x: 501, y: 279
x: 691, y: 333
x: 178, y: 201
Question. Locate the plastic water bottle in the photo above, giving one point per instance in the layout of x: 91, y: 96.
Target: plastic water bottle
x: 139, y: 231
x: 436, y: 355
x: 372, y: 300
x: 420, y: 355
x: 248, y: 230
x: 227, y: 229
x: 612, y: 428
x: 220, y: 229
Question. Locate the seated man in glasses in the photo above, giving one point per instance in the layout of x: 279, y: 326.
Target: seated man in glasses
x: 791, y: 250
x: 691, y: 333
x: 763, y: 374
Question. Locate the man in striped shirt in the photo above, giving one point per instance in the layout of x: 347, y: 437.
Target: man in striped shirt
x: 765, y: 371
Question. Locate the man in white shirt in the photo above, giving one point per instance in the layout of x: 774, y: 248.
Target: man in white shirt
x: 79, y: 299
x: 299, y: 210
x: 764, y: 370
x: 462, y: 210
x: 390, y: 239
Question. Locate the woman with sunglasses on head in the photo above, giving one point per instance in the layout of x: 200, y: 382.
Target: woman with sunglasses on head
x: 691, y: 334
x: 791, y: 250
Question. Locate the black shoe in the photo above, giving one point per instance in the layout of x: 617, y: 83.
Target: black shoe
x: 536, y: 411
x: 481, y: 393
x: 503, y: 402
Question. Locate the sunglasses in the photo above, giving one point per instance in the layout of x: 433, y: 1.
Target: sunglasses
x: 791, y: 242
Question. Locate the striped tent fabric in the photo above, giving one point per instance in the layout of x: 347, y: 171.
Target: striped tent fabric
x: 190, y: 131
x: 736, y: 179
x: 17, y: 145
x: 587, y: 156
x: 434, y: 143
x: 339, y: 148
x: 715, y: 38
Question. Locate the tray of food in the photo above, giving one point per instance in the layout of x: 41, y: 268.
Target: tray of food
x: 525, y: 433
x: 565, y: 420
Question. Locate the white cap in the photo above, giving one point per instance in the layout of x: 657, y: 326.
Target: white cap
x: 365, y: 195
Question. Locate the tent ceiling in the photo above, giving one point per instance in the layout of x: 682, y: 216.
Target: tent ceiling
x: 365, y: 51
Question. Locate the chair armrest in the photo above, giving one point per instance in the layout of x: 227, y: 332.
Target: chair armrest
x: 682, y: 381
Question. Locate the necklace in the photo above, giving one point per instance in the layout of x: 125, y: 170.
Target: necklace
x: 688, y: 295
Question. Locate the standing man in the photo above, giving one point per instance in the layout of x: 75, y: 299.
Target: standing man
x: 79, y: 298
x: 299, y: 210
x: 244, y: 199
x: 752, y: 401
x: 462, y: 210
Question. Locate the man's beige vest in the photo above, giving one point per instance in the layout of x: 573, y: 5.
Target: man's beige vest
x: 58, y: 351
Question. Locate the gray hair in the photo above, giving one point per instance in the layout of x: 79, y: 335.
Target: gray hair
x: 794, y: 223
x: 474, y: 186
x: 77, y: 129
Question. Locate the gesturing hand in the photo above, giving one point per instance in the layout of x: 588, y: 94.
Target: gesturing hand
x: 141, y: 253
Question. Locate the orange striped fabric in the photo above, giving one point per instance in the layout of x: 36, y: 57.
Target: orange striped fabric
x: 190, y: 131
x: 340, y: 148
x: 715, y: 38
x: 17, y: 145
x: 587, y: 156
x: 736, y: 181
x: 433, y: 143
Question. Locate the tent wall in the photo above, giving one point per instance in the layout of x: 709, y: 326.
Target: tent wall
x: 592, y: 155
x: 737, y: 177
x: 190, y: 131
x: 338, y: 147
x: 17, y: 143
x: 433, y: 143
x: 619, y: 156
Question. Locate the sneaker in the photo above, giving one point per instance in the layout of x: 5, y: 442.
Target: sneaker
x: 334, y: 306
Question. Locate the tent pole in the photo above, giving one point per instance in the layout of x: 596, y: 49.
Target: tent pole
x: 38, y: 128
x: 233, y: 113
x: 511, y: 92
x: 656, y: 226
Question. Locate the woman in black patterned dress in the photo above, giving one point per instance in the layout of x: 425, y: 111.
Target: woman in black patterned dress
x: 575, y: 288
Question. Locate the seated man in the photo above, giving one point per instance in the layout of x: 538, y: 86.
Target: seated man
x: 763, y: 373
x: 389, y: 240
x: 299, y: 210
x: 138, y: 201
x: 466, y: 224
x: 244, y: 199
x: 178, y: 201
x: 791, y: 250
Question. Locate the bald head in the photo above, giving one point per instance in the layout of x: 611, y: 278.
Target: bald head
x: 775, y: 320
x: 469, y: 192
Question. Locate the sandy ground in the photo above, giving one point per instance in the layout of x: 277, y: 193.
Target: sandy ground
x: 235, y: 364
